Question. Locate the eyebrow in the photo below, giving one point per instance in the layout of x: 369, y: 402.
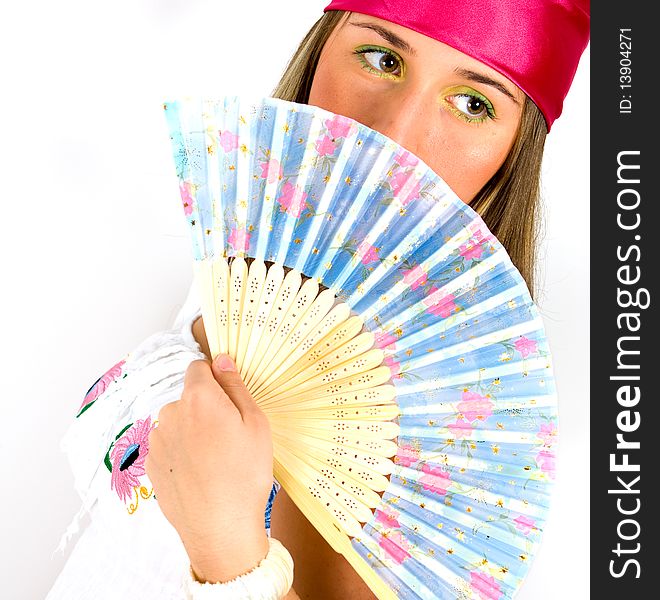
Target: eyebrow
x: 388, y: 35
x: 481, y: 78
x: 401, y: 44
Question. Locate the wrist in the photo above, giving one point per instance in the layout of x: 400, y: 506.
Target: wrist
x: 214, y: 561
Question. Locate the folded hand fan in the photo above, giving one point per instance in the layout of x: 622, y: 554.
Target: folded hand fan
x: 386, y: 334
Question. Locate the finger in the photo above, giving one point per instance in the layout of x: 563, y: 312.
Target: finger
x: 199, y: 383
x: 226, y: 374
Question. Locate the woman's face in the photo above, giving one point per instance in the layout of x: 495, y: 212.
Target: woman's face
x: 458, y: 115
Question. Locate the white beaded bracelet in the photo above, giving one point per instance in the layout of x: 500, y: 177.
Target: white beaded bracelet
x: 271, y: 579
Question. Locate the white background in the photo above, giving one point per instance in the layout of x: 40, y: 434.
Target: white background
x: 95, y: 256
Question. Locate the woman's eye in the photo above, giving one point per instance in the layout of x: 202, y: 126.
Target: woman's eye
x: 472, y: 107
x: 380, y: 61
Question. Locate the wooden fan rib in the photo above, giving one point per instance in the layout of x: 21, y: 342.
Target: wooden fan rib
x: 300, y: 357
x: 239, y: 273
x: 371, y: 403
x: 317, y: 387
x: 266, y: 345
x: 351, y: 485
x: 251, y: 301
x: 297, y: 342
x: 385, y: 429
x: 306, y: 364
x: 343, y: 509
x: 272, y: 285
x: 349, y: 360
x: 314, y: 446
x: 363, y: 473
x: 320, y: 410
x: 372, y: 445
x: 331, y: 532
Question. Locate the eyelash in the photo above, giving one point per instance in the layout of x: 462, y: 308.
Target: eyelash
x: 490, y: 111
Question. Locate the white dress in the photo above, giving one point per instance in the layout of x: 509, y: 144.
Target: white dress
x: 129, y: 549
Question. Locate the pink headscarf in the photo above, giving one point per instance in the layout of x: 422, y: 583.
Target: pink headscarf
x: 536, y: 44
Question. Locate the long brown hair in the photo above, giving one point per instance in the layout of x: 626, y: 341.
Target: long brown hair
x: 509, y: 203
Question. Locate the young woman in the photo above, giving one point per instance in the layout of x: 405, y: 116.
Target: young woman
x: 470, y: 88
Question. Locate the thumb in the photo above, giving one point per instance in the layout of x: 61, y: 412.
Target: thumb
x: 227, y: 375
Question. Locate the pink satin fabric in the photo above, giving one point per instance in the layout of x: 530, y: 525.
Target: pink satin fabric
x: 536, y: 44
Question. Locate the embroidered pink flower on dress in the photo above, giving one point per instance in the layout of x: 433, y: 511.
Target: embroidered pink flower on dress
x: 548, y: 433
x: 340, y: 126
x: 460, y: 429
x: 102, y: 383
x: 185, y: 187
x: 435, y: 480
x: 406, y: 455
x: 325, y: 146
x: 439, y: 303
x: 395, y: 546
x: 384, y: 339
x: 415, y: 277
x: 485, y: 586
x: 366, y: 253
x: 271, y: 170
x: 545, y: 459
x: 525, y: 346
x: 406, y: 159
x: 239, y: 238
x: 388, y: 517
x: 524, y: 524
x: 228, y: 140
x: 292, y: 199
x: 474, y: 406
x: 404, y: 189
x: 128, y: 456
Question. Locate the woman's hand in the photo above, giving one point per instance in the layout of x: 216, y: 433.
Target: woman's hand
x: 210, y: 461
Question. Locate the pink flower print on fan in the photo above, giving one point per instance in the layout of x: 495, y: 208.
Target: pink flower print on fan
x: 292, y: 199
x: 271, y: 170
x: 525, y: 346
x: 395, y: 367
x: 547, y: 433
x: 384, y: 339
x: 460, y: 429
x: 325, y: 146
x: 524, y: 524
x: 100, y: 385
x: 406, y: 455
x: 415, y: 277
x: 395, y: 546
x: 388, y: 517
x: 485, y: 586
x: 545, y: 459
x: 439, y: 303
x: 474, y: 247
x: 340, y: 127
x: 366, y: 253
x: 474, y: 406
x: 239, y: 238
x: 403, y: 189
x: 228, y: 140
x: 185, y: 187
x: 127, y: 458
x: 435, y: 480
x: 406, y: 159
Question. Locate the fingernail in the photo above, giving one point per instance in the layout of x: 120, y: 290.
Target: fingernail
x: 225, y: 363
